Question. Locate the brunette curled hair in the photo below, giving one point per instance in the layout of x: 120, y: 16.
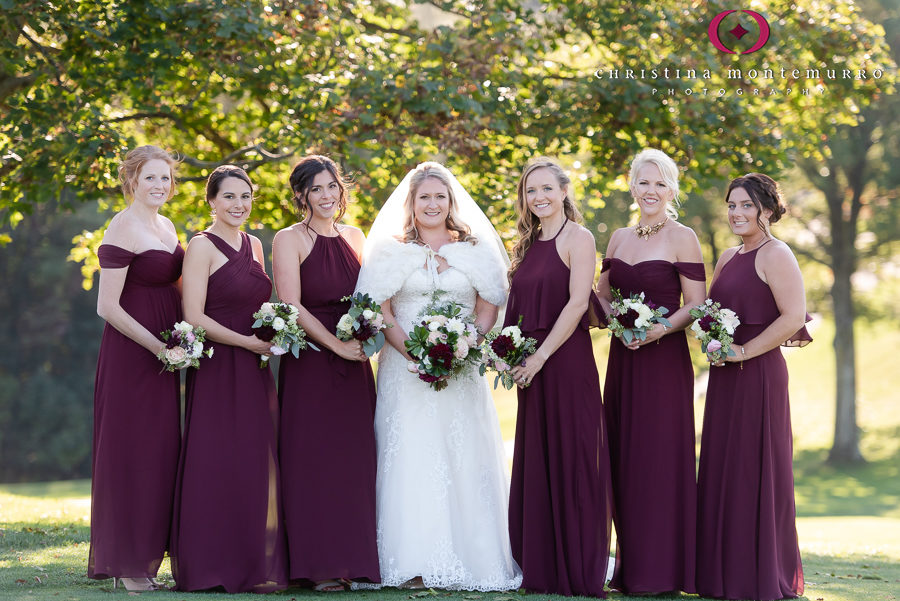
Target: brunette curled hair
x: 301, y: 181
x: 765, y: 194
x: 134, y: 161
x: 219, y: 174
x: 529, y: 226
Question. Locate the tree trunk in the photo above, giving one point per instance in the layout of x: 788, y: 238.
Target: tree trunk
x: 845, y: 448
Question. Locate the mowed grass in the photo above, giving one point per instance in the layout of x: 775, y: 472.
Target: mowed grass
x: 848, y: 518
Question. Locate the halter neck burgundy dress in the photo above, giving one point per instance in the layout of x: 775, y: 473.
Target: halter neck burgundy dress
x: 560, y: 503
x: 227, y: 530
x: 137, y: 429
x: 649, y: 404
x: 328, y: 459
x: 746, y: 533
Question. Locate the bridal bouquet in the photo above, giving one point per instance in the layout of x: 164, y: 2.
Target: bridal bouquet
x: 631, y: 317
x: 504, y: 349
x: 184, y: 347
x: 714, y: 327
x: 277, y: 323
x: 364, y: 322
x: 443, y: 343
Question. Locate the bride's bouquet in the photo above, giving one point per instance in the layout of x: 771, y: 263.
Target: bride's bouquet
x: 631, y: 317
x: 184, y: 347
x: 504, y: 349
x: 714, y: 327
x: 443, y: 343
x: 277, y: 323
x: 364, y: 322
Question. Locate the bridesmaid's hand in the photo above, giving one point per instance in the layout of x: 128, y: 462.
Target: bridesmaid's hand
x: 255, y: 345
x: 524, y: 372
x: 351, y: 350
x: 714, y: 361
x: 655, y: 332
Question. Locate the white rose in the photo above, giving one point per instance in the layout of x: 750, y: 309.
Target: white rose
x: 434, y: 337
x: 645, y: 314
x: 462, y: 349
x: 176, y: 355
x: 729, y: 320
x: 197, y: 349
x: 695, y: 327
x: 509, y: 331
x: 456, y: 326
x: 368, y: 313
x: 434, y: 325
x: 345, y: 324
x: 278, y: 324
x: 183, y: 326
x: 267, y: 308
x: 441, y: 319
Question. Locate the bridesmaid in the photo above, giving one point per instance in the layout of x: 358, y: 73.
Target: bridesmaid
x: 560, y: 501
x: 651, y: 419
x: 136, y: 407
x: 227, y: 530
x: 746, y: 535
x: 327, y: 398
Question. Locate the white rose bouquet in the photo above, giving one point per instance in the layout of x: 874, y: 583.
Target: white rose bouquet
x: 631, y: 317
x: 504, y: 349
x: 714, y: 326
x: 277, y: 323
x: 444, y: 343
x: 364, y: 322
x: 184, y: 347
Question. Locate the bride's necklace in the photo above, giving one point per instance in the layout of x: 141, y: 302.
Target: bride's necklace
x: 645, y: 231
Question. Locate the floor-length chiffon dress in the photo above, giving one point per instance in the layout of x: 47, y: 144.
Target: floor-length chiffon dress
x: 137, y: 430
x: 228, y: 530
x: 746, y: 533
x: 649, y: 405
x: 328, y: 457
x: 560, y: 504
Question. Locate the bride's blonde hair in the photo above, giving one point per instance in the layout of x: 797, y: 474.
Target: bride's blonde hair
x: 458, y: 229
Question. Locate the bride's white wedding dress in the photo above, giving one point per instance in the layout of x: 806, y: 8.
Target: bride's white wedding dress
x: 442, y: 489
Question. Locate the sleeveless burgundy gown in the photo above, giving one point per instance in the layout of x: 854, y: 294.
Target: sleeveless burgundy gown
x: 560, y: 503
x: 227, y: 530
x: 746, y: 534
x: 649, y: 404
x: 137, y: 423
x: 328, y: 457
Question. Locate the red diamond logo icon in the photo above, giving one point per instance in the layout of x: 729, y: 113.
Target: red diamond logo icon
x: 738, y: 32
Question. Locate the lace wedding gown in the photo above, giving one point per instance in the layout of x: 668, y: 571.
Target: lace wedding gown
x: 442, y: 489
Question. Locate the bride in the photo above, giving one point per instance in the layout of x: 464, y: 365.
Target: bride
x: 441, y: 490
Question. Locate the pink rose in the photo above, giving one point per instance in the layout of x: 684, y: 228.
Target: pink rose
x: 713, y: 346
x: 176, y: 355
x: 277, y: 350
x: 190, y: 337
x: 462, y: 349
x: 412, y: 367
x: 501, y: 366
x: 434, y: 337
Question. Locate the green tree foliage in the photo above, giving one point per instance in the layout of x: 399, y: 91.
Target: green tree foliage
x: 381, y: 85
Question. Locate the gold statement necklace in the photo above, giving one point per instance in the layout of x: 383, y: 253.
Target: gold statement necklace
x: 645, y: 231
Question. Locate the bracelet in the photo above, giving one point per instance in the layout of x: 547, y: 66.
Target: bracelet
x: 743, y: 356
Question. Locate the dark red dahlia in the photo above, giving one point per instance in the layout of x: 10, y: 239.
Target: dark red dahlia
x: 173, y: 340
x: 428, y: 378
x: 441, y: 355
x: 706, y: 323
x: 628, y: 318
x: 502, y: 345
x: 266, y: 333
x: 365, y: 331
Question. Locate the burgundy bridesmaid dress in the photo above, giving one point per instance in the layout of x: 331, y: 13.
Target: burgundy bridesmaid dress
x: 328, y: 457
x: 228, y: 531
x: 649, y: 405
x: 137, y: 429
x: 746, y: 534
x: 560, y: 503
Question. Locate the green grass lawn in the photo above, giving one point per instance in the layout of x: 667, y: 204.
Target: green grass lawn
x: 848, y: 518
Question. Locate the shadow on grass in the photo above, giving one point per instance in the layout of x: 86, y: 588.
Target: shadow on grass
x: 64, y: 489
x: 871, y: 489
x: 850, y: 577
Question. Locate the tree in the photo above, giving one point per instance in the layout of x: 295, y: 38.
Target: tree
x: 860, y: 185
